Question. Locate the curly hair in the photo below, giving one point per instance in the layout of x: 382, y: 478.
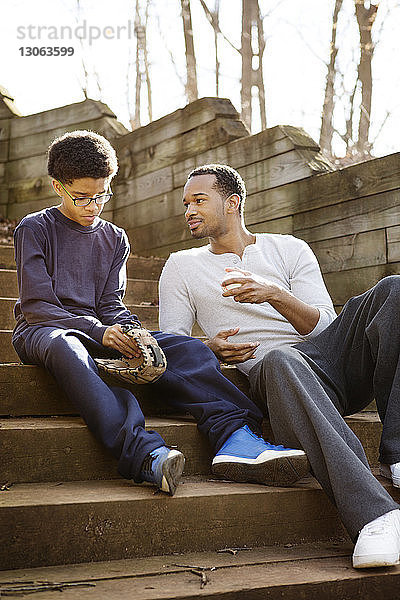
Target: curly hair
x: 227, y: 181
x: 79, y: 154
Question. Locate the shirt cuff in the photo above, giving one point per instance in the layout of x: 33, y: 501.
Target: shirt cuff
x: 322, y: 323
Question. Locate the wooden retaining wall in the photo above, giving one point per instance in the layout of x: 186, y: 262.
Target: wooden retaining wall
x: 350, y: 217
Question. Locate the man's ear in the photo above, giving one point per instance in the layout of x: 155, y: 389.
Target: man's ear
x: 232, y: 203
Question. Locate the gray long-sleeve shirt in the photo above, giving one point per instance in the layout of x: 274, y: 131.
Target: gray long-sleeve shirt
x: 70, y: 276
x: 190, y: 290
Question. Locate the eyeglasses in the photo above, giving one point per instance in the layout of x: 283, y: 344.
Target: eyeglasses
x: 99, y: 199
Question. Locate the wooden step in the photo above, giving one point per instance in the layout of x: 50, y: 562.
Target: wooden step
x: 147, y: 313
x: 63, y: 449
x: 137, y: 290
x: 59, y: 523
x: 30, y: 390
x: 138, y: 267
x: 7, y: 352
x: 318, y: 571
x: 38, y: 449
x: 7, y: 257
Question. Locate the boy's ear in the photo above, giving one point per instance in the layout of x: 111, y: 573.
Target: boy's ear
x: 233, y: 203
x: 56, y: 187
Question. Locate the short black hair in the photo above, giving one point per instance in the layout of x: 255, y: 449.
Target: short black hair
x: 227, y: 181
x: 79, y: 154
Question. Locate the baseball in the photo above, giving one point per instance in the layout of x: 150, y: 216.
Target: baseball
x: 229, y: 275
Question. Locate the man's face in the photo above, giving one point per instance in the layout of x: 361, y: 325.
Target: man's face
x: 204, y: 206
x: 86, y: 187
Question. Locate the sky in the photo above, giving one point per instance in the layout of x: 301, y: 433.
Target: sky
x: 297, y: 50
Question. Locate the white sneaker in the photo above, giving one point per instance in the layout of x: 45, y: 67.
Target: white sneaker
x: 391, y: 472
x: 378, y: 544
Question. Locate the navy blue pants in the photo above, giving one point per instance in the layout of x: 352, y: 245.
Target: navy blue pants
x: 193, y: 383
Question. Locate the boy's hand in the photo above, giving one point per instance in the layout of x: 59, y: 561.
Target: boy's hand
x: 114, y: 338
x: 231, y: 353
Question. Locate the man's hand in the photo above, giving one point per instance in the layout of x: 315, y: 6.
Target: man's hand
x: 231, y: 353
x: 114, y: 338
x: 253, y: 289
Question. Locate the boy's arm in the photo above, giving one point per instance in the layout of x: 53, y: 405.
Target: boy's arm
x: 110, y: 308
x: 176, y: 313
x: 39, y: 303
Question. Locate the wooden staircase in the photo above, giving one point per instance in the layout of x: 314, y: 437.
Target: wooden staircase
x: 68, y: 521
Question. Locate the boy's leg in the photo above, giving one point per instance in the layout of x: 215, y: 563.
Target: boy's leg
x: 111, y: 413
x: 193, y: 382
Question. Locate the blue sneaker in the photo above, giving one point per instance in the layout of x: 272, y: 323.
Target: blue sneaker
x: 163, y: 467
x: 245, y: 457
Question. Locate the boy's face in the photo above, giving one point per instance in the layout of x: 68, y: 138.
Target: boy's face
x: 86, y: 187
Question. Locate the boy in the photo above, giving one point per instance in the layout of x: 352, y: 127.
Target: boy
x: 72, y: 277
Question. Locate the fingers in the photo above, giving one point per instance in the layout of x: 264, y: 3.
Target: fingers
x: 229, y: 269
x: 238, y: 357
x: 115, y: 338
x: 227, y: 333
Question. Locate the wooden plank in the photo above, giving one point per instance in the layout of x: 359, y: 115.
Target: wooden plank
x: 284, y: 225
x: 182, y: 120
x: 4, y: 147
x: 106, y: 520
x: 146, y: 186
x: 63, y: 449
x: 372, y: 212
x: 165, y: 251
x: 27, y: 168
x: 351, y: 251
x: 258, y: 176
x: 214, y: 133
x: 4, y: 129
x: 343, y: 285
x: 393, y: 243
x: 28, y: 190
x: 364, y: 179
x: 151, y: 210
x: 18, y: 210
x: 274, y: 172
x: 37, y: 143
x: 59, y: 117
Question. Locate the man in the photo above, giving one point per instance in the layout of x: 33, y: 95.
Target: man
x: 306, y: 368
x: 72, y: 278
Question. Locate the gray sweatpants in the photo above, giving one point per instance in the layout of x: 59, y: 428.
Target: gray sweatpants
x: 308, y: 388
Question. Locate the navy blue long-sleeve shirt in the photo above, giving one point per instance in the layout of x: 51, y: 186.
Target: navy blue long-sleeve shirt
x: 70, y: 276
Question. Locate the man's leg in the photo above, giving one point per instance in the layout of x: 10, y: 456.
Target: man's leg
x: 303, y: 401
x: 111, y: 413
x: 193, y: 382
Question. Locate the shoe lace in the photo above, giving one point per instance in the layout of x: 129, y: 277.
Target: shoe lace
x: 147, y: 464
x: 261, y: 439
x: 379, y: 527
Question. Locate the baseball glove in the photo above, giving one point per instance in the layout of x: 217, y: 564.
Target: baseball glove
x: 146, y: 369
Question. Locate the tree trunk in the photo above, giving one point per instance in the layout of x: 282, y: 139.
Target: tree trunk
x: 260, y: 74
x: 216, y: 29
x: 248, y: 15
x: 365, y: 19
x: 191, y: 78
x: 136, y: 119
x: 326, y: 135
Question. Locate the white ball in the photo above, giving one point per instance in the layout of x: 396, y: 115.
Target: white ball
x: 230, y: 275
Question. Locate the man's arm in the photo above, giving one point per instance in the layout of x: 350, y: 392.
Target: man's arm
x: 39, y: 303
x: 178, y: 315
x: 176, y: 312
x: 307, y: 306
